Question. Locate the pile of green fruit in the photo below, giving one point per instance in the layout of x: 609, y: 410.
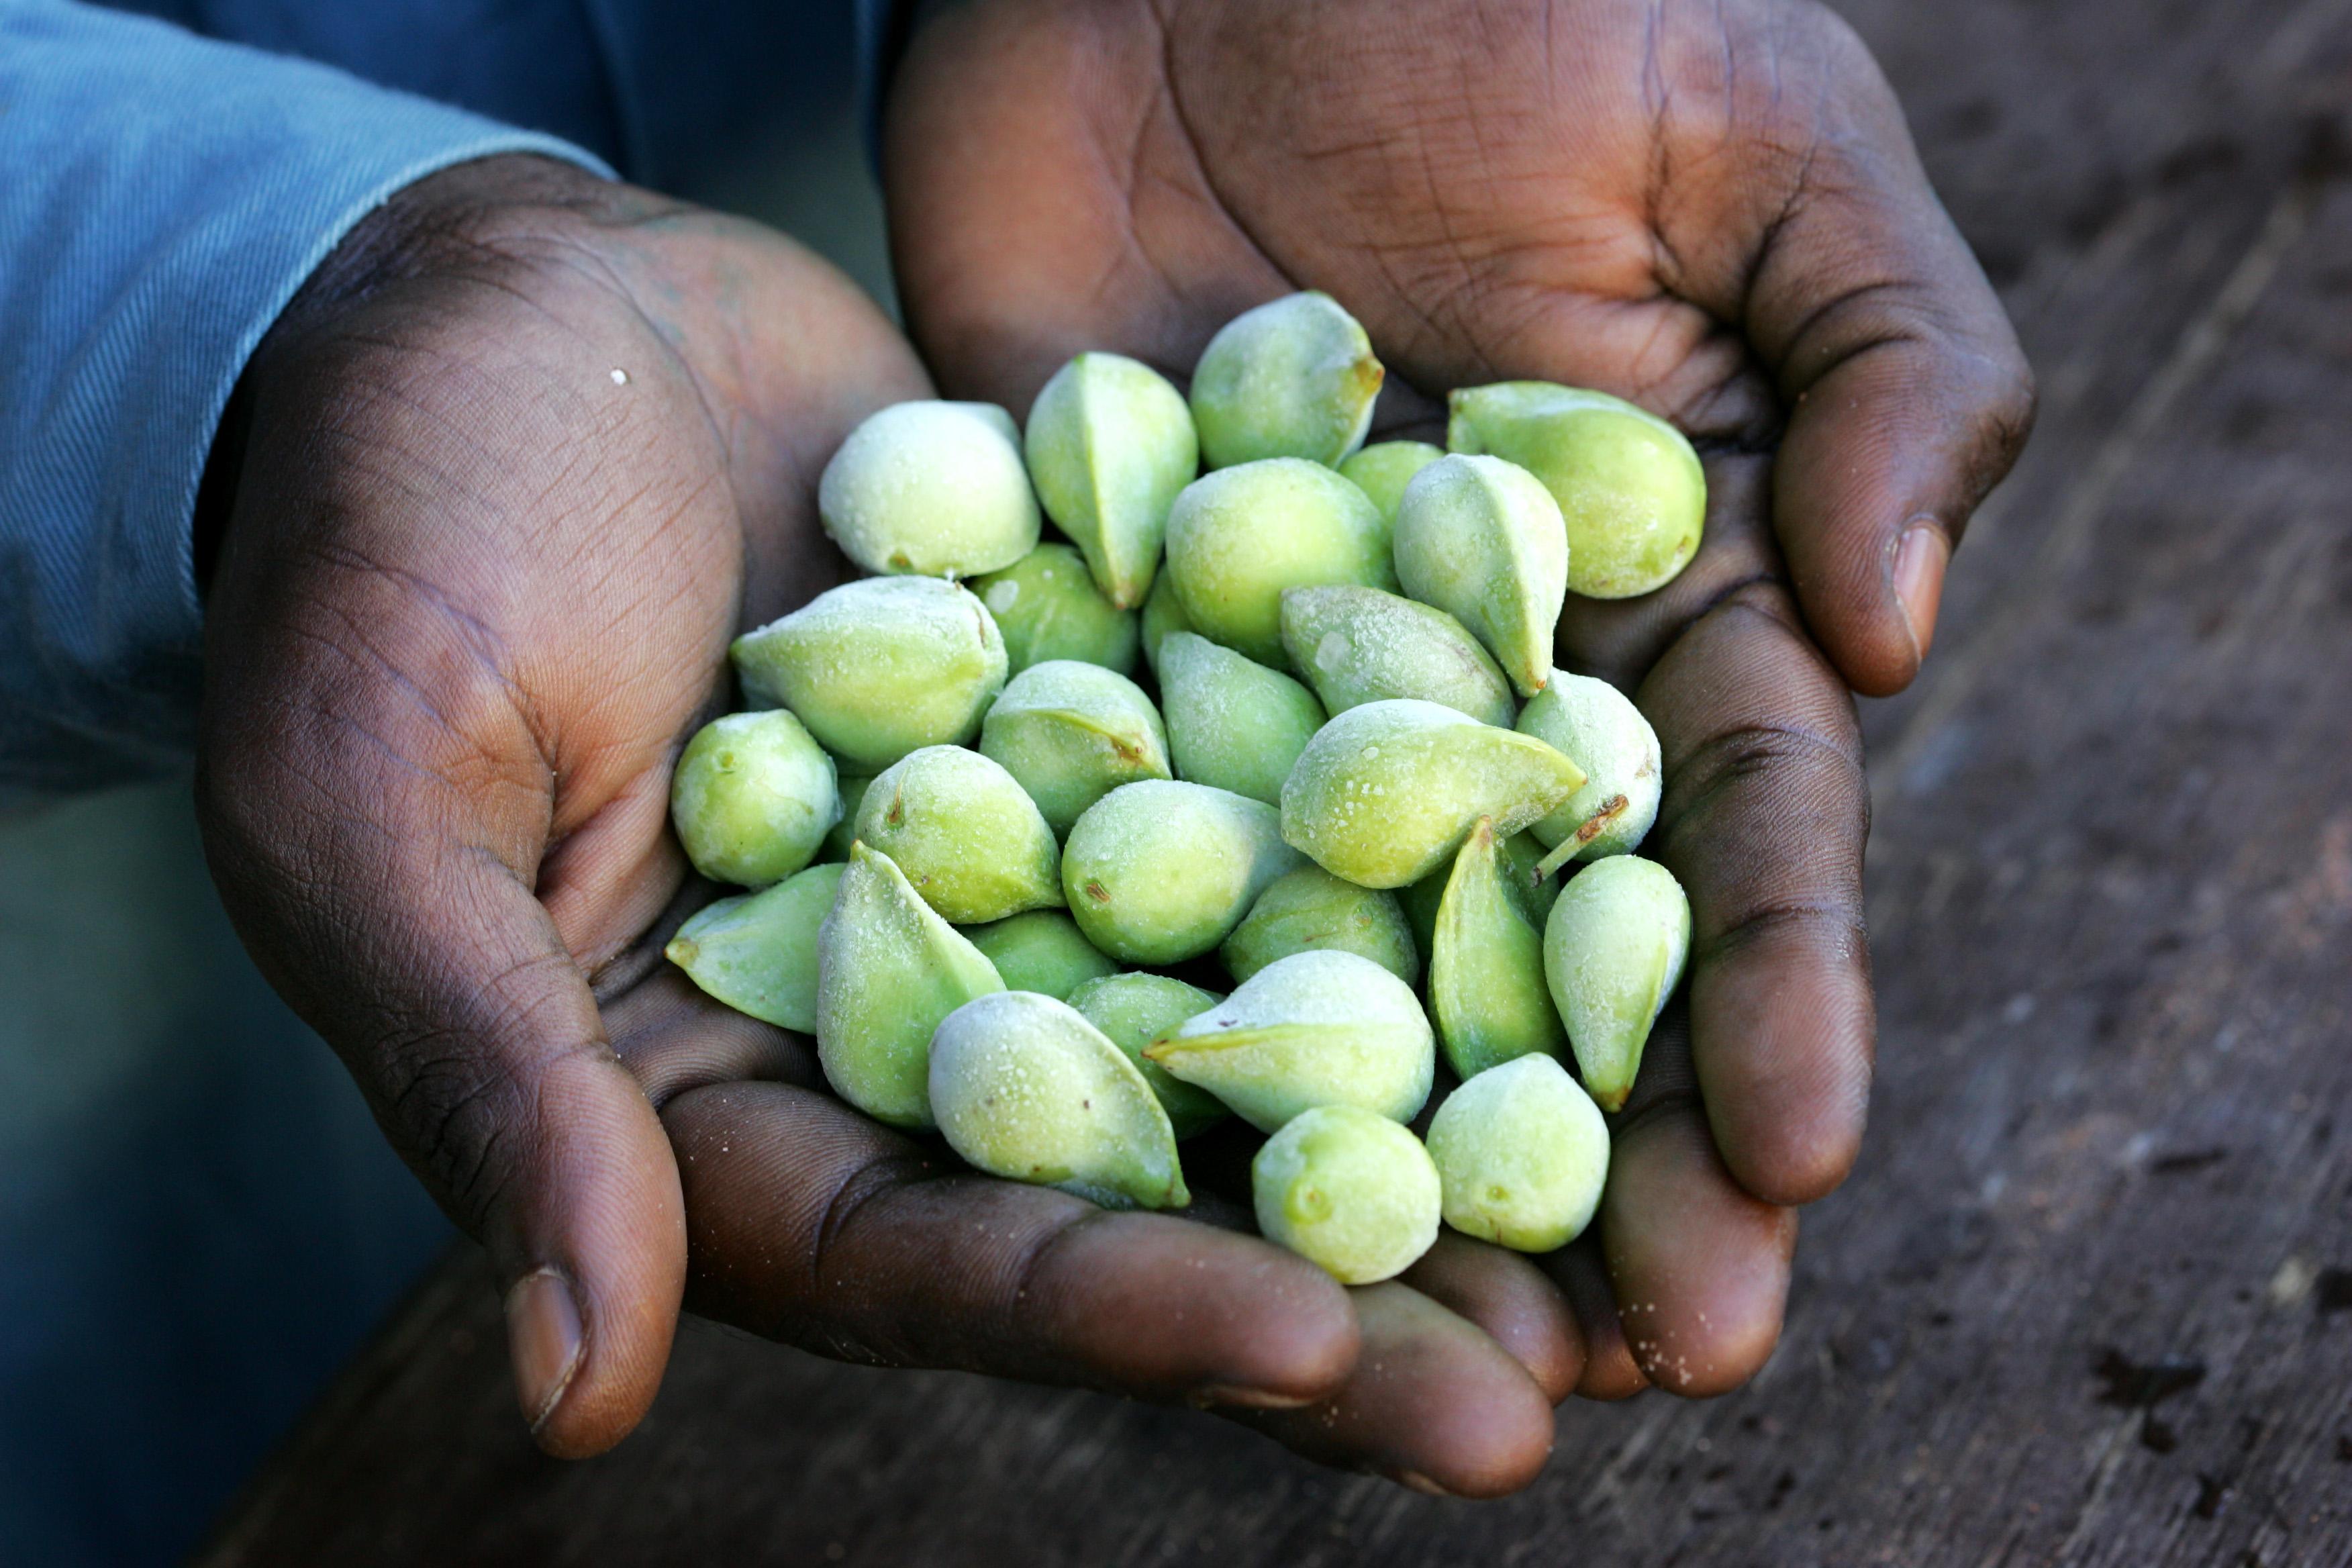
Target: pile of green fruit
x: 1350, y: 805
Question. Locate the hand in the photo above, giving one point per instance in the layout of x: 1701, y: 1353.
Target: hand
x: 1714, y: 211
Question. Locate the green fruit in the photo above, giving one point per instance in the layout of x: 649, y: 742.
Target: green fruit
x: 1046, y: 606
x: 1382, y: 469
x: 1521, y: 1155
x: 1353, y: 1191
x: 1486, y: 967
x: 877, y: 668
x: 752, y: 798
x: 1315, y: 1028
x: 967, y: 835
x: 1294, y: 378
x: 1238, y: 537
x: 1071, y: 734
x: 1109, y: 443
x: 1232, y: 723
x: 1632, y: 493
x: 1518, y: 859
x: 1025, y: 1089
x: 1310, y: 909
x: 1135, y: 1009
x: 1163, y: 612
x: 1481, y: 540
x: 1042, y: 950
x: 1614, y: 952
x: 844, y: 833
x: 1599, y: 726
x: 1158, y: 872
x: 757, y: 952
x: 930, y: 490
x: 1355, y: 646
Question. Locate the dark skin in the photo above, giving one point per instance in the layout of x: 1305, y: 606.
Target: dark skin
x: 472, y: 595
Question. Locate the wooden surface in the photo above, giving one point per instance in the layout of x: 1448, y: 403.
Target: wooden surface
x: 2089, y: 1299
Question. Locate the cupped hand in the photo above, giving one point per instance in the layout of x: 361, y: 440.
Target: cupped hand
x: 1713, y: 210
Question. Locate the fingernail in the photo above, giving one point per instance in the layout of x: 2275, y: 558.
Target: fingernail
x: 1415, y: 1481
x: 1210, y: 1393
x: 1919, y: 562
x: 544, y: 1338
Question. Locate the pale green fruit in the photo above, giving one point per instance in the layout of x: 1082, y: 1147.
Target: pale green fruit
x: 844, y: 833
x: 1158, y: 872
x: 1231, y: 722
x: 1071, y: 734
x: 1481, y: 540
x: 1163, y: 612
x: 877, y: 668
x: 1353, y: 1191
x: 965, y: 832
x: 1382, y: 469
x: 888, y: 969
x: 1631, y: 491
x: 930, y: 490
x: 1519, y: 855
x: 1238, y: 537
x: 1599, y: 726
x: 1357, y: 645
x: 1315, y: 1028
x: 1042, y: 950
x: 1522, y: 1154
x: 1614, y: 952
x: 1486, y: 967
x: 1046, y: 606
x: 1110, y: 443
x: 752, y: 798
x: 1294, y: 378
x: 1135, y: 1009
x: 1387, y: 792
x: 1024, y: 1087
x: 1309, y: 911
x: 757, y: 952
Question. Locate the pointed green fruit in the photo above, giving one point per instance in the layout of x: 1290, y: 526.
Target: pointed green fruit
x: 757, y: 952
x: 1110, y: 443
x: 1522, y: 1154
x: 1632, y: 493
x: 1072, y: 732
x: 1481, y: 540
x: 1382, y: 469
x: 1238, y: 537
x: 752, y: 798
x: 1357, y: 645
x: 1386, y: 793
x: 930, y: 490
x: 879, y: 667
x: 1315, y: 1028
x: 1353, y: 1191
x: 1046, y: 606
x: 1135, y: 1009
x: 844, y: 833
x: 1599, y: 726
x: 1310, y: 911
x: 1162, y: 612
x: 1025, y: 1089
x: 965, y: 832
x: 1158, y: 872
x: 889, y: 971
x: 1042, y: 950
x: 1486, y: 967
x: 1614, y: 952
x: 1517, y: 858
x: 1294, y: 378
x: 1233, y: 723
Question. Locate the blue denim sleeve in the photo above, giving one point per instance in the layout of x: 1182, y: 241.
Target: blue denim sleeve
x: 161, y: 197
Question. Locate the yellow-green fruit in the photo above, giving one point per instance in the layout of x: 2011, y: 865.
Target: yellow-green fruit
x: 1308, y: 910
x: 1046, y: 606
x: 1162, y: 612
x: 1382, y: 469
x: 1353, y: 1191
x: 1519, y: 855
x: 1487, y: 985
x: 1387, y: 792
x: 1158, y: 872
x: 757, y: 952
x: 889, y: 971
x: 1071, y: 734
x: 1231, y: 722
x: 877, y: 668
x: 965, y: 832
x: 1109, y: 445
x: 1238, y: 537
x: 1599, y: 726
x: 1135, y: 1009
x: 1614, y: 952
x: 1315, y: 1028
x: 1632, y: 493
x: 844, y: 833
x: 1042, y: 950
x: 1024, y: 1087
x: 1355, y: 646
x: 752, y: 798
x: 1521, y: 1155
x: 930, y: 490
x: 1294, y: 378
x: 1481, y: 540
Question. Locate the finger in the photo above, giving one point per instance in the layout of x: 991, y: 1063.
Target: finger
x: 811, y: 1225
x: 1512, y: 1300
x: 1611, y: 1372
